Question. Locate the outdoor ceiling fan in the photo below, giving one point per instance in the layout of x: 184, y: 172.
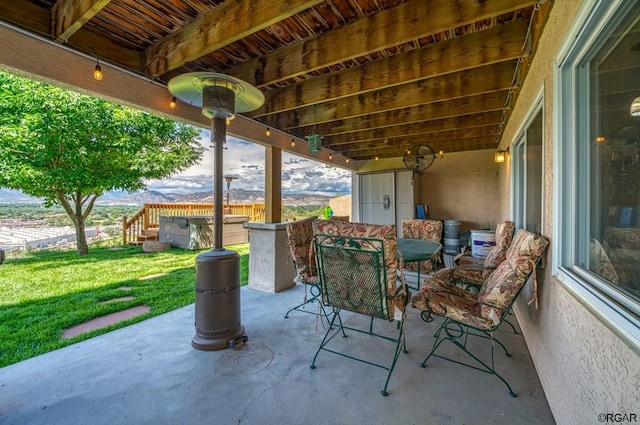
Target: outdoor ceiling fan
x: 419, y: 158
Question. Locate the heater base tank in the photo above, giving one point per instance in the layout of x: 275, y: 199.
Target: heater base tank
x: 217, y: 301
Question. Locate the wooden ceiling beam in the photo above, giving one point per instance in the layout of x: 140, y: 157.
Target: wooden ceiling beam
x: 422, y: 127
x: 38, y: 18
x: 389, y: 28
x: 497, y: 44
x: 399, y: 151
x: 228, y: 22
x: 427, y: 112
x: 107, y: 50
x: 440, y: 138
x: 68, y: 16
x: 476, y: 81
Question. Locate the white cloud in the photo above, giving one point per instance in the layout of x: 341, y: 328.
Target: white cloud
x: 246, y: 161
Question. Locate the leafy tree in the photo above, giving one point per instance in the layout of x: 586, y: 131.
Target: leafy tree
x: 69, y: 148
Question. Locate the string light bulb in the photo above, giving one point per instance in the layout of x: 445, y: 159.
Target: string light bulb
x: 347, y: 160
x: 293, y: 143
x: 268, y: 132
x: 228, y: 121
x: 97, y: 71
x: 173, y: 103
x: 330, y: 155
x: 634, y: 109
x: 376, y: 157
x: 441, y: 154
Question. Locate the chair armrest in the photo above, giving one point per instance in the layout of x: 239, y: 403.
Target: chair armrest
x: 470, y: 263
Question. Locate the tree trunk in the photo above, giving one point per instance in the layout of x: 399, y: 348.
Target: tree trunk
x: 81, y: 237
x: 73, y: 207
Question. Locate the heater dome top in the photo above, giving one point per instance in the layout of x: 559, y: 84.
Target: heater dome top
x: 188, y: 88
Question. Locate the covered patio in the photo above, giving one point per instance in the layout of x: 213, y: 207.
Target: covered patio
x: 148, y: 373
x: 549, y: 84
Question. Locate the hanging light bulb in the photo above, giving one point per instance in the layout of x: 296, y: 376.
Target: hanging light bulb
x: 173, y: 103
x: 97, y: 71
x: 376, y: 157
x: 293, y: 143
x: 347, y: 160
x: 330, y: 155
x: 268, y: 132
x: 634, y: 110
x: 441, y: 154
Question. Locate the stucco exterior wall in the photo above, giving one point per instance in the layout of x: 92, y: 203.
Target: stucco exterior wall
x: 458, y: 187
x: 341, y: 205
x: 584, y: 368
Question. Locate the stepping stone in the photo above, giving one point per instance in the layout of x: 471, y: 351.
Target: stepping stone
x: 153, y: 276
x: 104, y: 321
x: 124, y: 288
x: 115, y: 300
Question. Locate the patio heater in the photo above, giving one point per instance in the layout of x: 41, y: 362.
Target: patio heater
x: 228, y: 179
x: 217, y: 281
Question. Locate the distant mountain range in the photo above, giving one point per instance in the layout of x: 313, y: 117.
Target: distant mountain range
x: 238, y: 196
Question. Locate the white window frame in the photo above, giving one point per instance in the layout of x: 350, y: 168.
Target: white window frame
x: 519, y: 168
x: 571, y: 191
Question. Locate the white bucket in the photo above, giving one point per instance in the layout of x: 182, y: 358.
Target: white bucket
x: 451, y: 229
x: 451, y: 245
x: 481, y: 242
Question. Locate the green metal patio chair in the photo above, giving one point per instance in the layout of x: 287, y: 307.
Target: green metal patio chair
x: 468, y: 314
x: 358, y: 273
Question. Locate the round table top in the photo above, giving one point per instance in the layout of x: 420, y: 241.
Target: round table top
x: 417, y: 249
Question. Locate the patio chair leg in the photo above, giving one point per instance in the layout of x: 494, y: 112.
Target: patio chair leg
x: 515, y: 331
x: 399, y: 347
x: 454, y: 335
x: 314, y: 291
x: 327, y: 338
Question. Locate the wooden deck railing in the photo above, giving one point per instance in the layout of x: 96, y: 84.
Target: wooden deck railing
x: 149, y: 216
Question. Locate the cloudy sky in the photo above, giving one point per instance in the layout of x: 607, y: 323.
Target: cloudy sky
x: 245, y: 160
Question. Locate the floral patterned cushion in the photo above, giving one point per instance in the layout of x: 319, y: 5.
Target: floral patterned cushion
x: 440, y: 295
x: 447, y: 303
x: 623, y: 244
x: 421, y: 229
x: 600, y: 263
x: 504, y: 283
x: 497, y: 254
x: 299, y: 240
x: 385, y: 233
x: 503, y: 235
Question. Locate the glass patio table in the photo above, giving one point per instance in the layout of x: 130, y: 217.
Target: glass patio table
x: 416, y: 251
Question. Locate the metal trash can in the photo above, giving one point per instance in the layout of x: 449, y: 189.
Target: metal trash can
x: 217, y: 303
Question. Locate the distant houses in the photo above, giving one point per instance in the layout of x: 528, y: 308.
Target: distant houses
x: 18, y: 238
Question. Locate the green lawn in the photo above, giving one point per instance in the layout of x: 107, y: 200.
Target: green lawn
x: 44, y: 292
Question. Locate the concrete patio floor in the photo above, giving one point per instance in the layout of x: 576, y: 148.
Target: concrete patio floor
x: 148, y: 373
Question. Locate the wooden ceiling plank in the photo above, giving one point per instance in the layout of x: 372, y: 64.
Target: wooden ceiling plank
x: 487, y: 79
x: 426, y: 112
x: 26, y: 14
x: 399, y: 151
x: 389, y: 28
x: 469, y: 51
x: 229, y: 22
x: 429, y: 138
x: 424, y: 127
x: 68, y: 16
